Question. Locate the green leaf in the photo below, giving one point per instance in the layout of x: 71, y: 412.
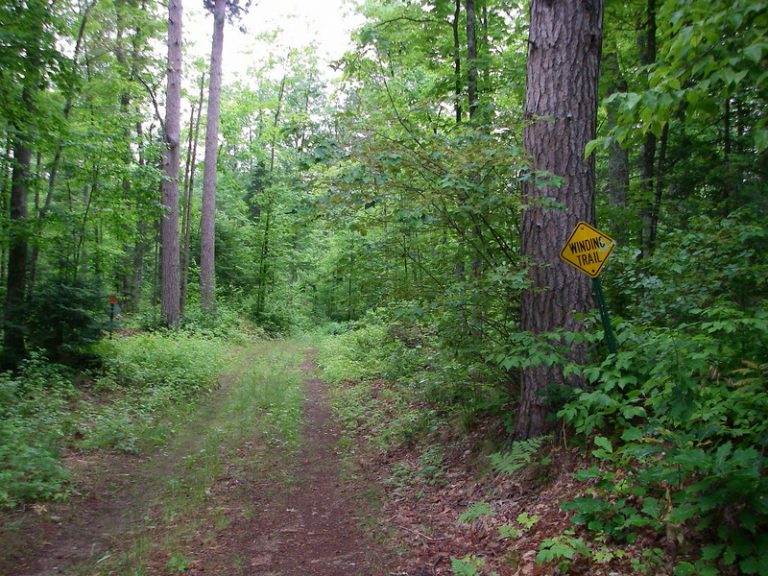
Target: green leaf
x: 754, y: 52
x: 761, y: 138
x: 475, y: 511
x: 604, y: 443
x: 631, y: 434
x: 631, y: 100
x: 712, y: 552
x: 590, y: 148
x: 749, y: 565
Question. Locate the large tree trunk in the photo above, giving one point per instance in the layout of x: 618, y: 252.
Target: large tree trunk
x: 658, y: 190
x: 561, y: 104
x: 14, y: 348
x: 208, y: 217
x: 13, y: 335
x: 169, y: 231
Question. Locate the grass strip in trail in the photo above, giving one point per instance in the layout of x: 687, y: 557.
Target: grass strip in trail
x: 230, y: 440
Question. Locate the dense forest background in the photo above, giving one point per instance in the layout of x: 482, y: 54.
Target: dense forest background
x: 386, y: 206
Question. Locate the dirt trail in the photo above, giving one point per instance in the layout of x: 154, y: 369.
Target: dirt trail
x: 270, y: 512
x: 324, y: 527
x: 308, y: 526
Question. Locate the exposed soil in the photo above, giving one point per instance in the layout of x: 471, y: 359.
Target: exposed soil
x: 295, y: 517
x: 299, y: 519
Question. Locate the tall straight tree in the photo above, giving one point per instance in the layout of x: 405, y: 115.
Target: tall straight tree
x: 33, y: 18
x: 471, y: 59
x: 561, y: 105
x: 208, y: 216
x: 169, y: 231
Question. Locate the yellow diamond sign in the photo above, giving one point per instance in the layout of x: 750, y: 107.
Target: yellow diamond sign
x: 587, y: 249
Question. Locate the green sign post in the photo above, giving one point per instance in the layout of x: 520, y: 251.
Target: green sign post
x: 587, y: 250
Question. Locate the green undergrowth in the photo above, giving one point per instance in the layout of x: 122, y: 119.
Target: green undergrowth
x: 675, y: 427
x: 145, y: 386
x: 399, y: 367
x: 151, y: 382
x: 375, y: 394
x: 35, y: 419
x: 672, y: 428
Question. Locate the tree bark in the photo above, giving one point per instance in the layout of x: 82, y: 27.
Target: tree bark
x: 189, y: 186
x: 658, y: 190
x: 561, y: 106
x: 648, y: 57
x: 457, y: 62
x: 471, y: 59
x: 208, y: 216
x: 5, y: 197
x: 617, y: 184
x: 14, y: 348
x: 169, y: 231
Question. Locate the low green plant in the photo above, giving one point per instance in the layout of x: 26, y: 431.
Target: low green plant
x: 562, y: 549
x: 178, y: 563
x: 650, y: 561
x: 154, y: 379
x: 475, y: 511
x: 432, y: 465
x: 469, y: 565
x: 526, y: 520
x: 523, y: 453
x: 524, y: 523
x: 34, y: 418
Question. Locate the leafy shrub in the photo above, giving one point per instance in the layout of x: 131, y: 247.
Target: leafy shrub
x: 65, y: 318
x: 469, y: 565
x: 709, y: 261
x: 562, y: 549
x: 33, y: 419
x: 354, y: 355
x: 152, y: 374
x: 687, y: 453
x: 224, y: 323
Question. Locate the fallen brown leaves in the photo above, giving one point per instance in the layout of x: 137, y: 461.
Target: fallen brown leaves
x: 423, y: 504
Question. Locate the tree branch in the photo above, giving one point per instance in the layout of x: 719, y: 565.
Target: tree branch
x: 154, y: 102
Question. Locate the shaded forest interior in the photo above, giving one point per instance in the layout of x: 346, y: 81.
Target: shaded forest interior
x: 407, y: 204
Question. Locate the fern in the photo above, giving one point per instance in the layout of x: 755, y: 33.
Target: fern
x: 475, y: 512
x: 523, y: 454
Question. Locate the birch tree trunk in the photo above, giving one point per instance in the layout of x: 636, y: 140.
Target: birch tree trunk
x: 208, y: 216
x: 169, y: 231
x: 561, y: 106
